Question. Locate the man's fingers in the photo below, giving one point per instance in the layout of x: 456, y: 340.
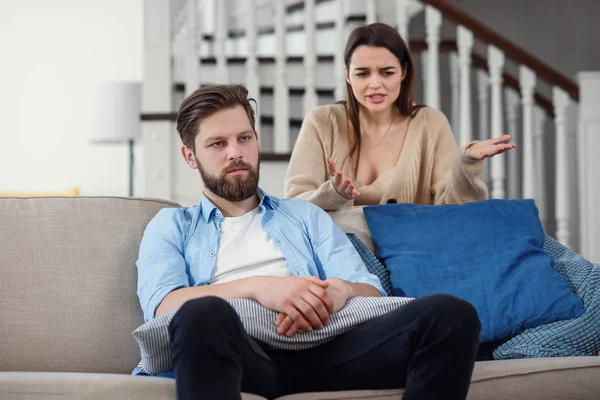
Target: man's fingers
x: 318, y: 281
x: 322, y: 294
x: 298, y: 317
x: 308, y: 312
x: 319, y: 306
x: 285, y: 325
x: 280, y: 319
x: 292, y: 331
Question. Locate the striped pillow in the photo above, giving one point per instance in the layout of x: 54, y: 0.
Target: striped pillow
x: 259, y: 322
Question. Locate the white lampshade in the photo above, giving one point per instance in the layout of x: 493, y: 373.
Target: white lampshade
x: 116, y: 112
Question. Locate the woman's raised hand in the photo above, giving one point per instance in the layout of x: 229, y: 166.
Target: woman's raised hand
x: 489, y: 148
x: 342, y: 185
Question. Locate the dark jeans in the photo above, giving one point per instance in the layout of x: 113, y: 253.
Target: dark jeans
x: 427, y: 347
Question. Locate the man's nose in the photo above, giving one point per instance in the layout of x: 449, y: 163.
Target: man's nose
x: 234, y: 151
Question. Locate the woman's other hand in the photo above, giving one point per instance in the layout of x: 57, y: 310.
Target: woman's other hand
x: 342, y: 185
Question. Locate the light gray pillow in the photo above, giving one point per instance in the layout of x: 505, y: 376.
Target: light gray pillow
x: 259, y: 322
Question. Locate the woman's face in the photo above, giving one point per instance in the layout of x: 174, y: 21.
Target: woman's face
x: 375, y: 75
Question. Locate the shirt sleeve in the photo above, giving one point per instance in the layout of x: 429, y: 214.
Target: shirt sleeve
x: 161, y: 265
x: 335, y: 254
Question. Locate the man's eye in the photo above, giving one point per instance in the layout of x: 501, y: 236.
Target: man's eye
x: 361, y: 74
x: 216, y: 144
x: 245, y: 138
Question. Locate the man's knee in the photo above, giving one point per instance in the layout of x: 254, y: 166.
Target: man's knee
x: 206, y: 316
x: 453, y: 313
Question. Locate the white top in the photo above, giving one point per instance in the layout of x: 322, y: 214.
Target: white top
x: 246, y: 250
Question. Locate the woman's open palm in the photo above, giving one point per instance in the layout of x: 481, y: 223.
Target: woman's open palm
x: 489, y: 148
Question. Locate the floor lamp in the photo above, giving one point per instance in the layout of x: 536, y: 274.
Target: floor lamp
x: 116, y: 117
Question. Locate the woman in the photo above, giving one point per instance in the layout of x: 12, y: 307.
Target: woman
x: 378, y: 146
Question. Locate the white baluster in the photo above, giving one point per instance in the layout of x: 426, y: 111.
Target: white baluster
x: 424, y: 67
x: 251, y: 80
x: 561, y: 100
x: 221, y: 75
x: 338, y: 56
x: 158, y: 161
x: 588, y: 164
x: 539, y: 119
x: 371, y: 11
x: 512, y: 99
x: 200, y: 9
x: 464, y: 40
x: 527, y: 80
x: 179, y: 48
x: 433, y: 21
x: 191, y: 78
x: 281, y: 95
x: 310, y: 100
x: 496, y: 64
x: 483, y: 87
x: 455, y: 97
x: 402, y: 18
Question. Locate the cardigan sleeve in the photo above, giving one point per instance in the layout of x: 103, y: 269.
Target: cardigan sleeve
x: 456, y: 178
x: 308, y: 175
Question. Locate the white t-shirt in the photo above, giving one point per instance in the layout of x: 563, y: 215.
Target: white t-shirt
x: 246, y: 250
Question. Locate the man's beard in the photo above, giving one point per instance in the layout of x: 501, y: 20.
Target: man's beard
x: 233, y: 188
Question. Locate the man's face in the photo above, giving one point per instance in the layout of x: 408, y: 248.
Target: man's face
x: 226, y: 155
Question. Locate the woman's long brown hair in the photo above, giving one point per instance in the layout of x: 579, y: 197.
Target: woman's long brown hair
x: 379, y: 35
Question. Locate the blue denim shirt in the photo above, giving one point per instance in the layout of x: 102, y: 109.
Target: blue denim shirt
x: 180, y: 245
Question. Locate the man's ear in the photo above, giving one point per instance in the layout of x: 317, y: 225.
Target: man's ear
x: 189, y: 157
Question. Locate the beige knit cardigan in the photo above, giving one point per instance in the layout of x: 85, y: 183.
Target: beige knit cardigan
x: 430, y: 169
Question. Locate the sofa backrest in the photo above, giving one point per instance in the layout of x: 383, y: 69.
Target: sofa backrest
x: 68, y: 282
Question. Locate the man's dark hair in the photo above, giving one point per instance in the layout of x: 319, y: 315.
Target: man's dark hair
x: 207, y: 101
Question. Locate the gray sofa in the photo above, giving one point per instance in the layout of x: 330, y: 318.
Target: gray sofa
x: 68, y: 306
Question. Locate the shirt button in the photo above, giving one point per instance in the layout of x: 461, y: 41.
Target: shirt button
x: 356, y: 256
x: 212, y: 254
x: 220, y: 230
x: 217, y: 214
x: 213, y: 218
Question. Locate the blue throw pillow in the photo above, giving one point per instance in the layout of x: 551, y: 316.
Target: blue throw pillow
x: 488, y: 253
x: 574, y: 337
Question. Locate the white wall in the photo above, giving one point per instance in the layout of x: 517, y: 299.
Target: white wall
x: 52, y: 56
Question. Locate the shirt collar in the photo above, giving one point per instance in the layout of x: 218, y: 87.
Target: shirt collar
x: 208, y: 210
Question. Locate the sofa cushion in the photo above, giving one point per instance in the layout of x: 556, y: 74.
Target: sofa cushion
x: 573, y: 378
x: 68, y: 282
x: 488, y: 253
x: 76, y: 386
x: 575, y: 337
